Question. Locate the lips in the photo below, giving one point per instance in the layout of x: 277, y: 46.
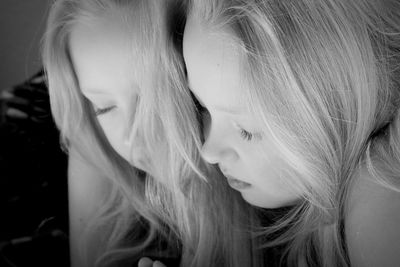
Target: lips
x: 237, y: 184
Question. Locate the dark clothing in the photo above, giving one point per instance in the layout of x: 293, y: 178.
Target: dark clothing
x: 33, y: 183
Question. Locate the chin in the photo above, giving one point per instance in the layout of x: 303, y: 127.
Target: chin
x: 262, y: 200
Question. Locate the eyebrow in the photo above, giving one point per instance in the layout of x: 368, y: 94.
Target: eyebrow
x: 234, y: 111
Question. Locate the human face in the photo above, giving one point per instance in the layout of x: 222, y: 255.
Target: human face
x: 100, y: 55
x: 232, y: 135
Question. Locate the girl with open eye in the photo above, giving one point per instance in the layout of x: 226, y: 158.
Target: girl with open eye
x: 138, y: 188
x: 300, y: 103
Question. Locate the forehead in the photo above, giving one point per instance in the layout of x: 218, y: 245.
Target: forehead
x: 213, y: 64
x: 101, y: 54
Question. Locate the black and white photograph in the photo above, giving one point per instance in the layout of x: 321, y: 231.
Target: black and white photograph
x: 200, y: 133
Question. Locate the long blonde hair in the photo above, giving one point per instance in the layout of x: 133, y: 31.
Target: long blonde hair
x: 324, y: 82
x: 203, y: 220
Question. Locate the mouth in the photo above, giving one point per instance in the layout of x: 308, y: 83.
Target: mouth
x: 237, y: 184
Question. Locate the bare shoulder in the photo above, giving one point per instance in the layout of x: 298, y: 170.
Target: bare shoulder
x: 86, y: 187
x: 372, y: 224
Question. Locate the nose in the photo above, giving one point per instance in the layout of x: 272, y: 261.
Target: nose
x: 127, y: 133
x: 138, y: 154
x: 129, y: 126
x: 140, y: 160
x: 130, y: 134
x: 216, y: 149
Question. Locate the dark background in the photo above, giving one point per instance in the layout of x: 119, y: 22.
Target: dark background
x: 33, y: 180
x: 22, y: 23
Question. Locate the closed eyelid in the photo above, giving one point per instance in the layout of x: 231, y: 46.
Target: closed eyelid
x: 102, y: 111
x: 98, y: 111
x: 255, y: 134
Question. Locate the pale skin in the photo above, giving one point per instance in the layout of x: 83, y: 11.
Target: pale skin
x: 100, y: 56
x: 372, y: 219
x: 232, y: 135
x: 372, y: 224
x: 86, y: 187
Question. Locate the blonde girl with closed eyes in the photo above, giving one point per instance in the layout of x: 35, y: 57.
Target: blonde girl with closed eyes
x: 300, y: 102
x: 137, y: 186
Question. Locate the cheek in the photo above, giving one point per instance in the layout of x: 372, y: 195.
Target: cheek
x: 274, y: 183
x: 267, y: 172
x: 114, y: 134
x: 266, y: 167
x: 271, y: 188
x: 133, y: 151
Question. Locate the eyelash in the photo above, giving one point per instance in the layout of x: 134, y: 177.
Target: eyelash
x: 247, y: 136
x: 101, y: 111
